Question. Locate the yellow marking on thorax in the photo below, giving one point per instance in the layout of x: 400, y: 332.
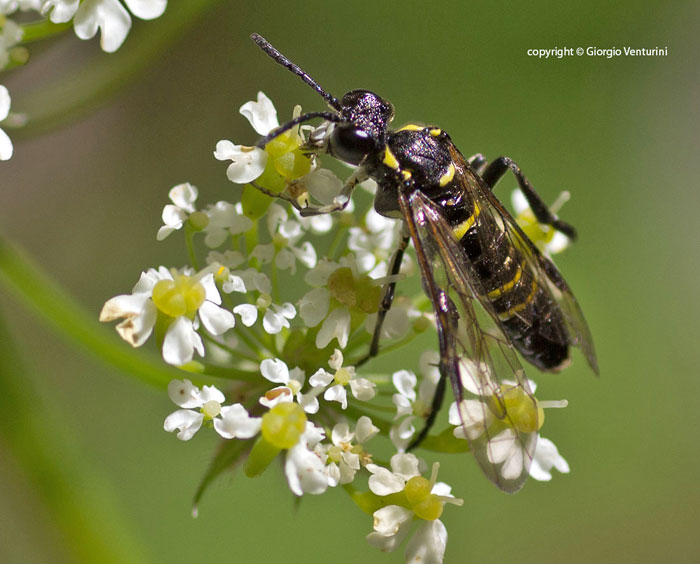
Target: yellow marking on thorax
x: 436, y: 132
x: 406, y: 174
x: 493, y: 294
x: 390, y: 159
x: 446, y: 178
x: 412, y: 127
x: 461, y: 229
x: 521, y: 306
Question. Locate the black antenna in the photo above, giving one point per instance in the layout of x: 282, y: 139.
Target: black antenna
x: 279, y: 58
x: 329, y: 116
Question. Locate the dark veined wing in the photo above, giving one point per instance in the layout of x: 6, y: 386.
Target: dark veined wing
x: 545, y: 273
x: 498, y: 415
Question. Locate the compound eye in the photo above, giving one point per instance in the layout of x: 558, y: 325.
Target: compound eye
x: 350, y: 144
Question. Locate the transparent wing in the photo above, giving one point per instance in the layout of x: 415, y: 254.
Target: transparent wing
x: 540, y: 269
x: 495, y: 406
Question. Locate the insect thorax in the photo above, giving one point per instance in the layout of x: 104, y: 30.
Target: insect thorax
x: 417, y: 155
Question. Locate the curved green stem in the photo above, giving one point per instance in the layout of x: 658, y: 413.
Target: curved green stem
x: 23, y: 277
x: 36, y: 31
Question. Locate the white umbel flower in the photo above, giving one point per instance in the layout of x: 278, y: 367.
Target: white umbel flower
x: 6, y: 148
x: 109, y: 16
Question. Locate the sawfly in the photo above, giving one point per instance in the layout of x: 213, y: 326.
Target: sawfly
x: 492, y: 290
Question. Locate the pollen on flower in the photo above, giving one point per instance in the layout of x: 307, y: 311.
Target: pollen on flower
x: 283, y: 425
x: 181, y: 296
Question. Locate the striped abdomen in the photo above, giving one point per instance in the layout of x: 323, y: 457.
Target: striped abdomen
x: 528, y: 316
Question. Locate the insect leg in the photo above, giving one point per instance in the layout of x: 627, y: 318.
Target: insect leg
x: 478, y: 161
x: 341, y: 201
x: 495, y: 171
x: 387, y: 297
x: 447, y: 319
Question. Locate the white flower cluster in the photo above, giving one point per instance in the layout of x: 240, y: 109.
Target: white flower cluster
x: 291, y: 343
x: 110, y: 17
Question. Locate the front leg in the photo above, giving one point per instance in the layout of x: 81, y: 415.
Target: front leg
x: 493, y: 172
x: 339, y: 203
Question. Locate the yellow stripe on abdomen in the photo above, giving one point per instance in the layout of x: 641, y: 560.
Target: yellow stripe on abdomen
x: 498, y: 292
x: 461, y: 229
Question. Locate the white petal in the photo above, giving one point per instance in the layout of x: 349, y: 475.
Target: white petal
x: 336, y: 326
x: 280, y: 394
x: 215, y: 319
x: 547, y: 457
x: 337, y: 393
x: 312, y: 435
x: 149, y: 279
x: 427, y: 545
x: 384, y: 482
x: 235, y: 422
x: 323, y: 185
x: 262, y: 114
x: 389, y: 519
x: 184, y: 394
x: 248, y: 313
x: 173, y: 216
x: 306, y: 254
x: 341, y: 434
x: 362, y: 389
x: 405, y: 465
x: 285, y: 260
x: 501, y: 446
x: 4, y: 102
x: 273, y: 322
x: 6, y: 148
x: 264, y: 253
x: 234, y: 284
x: 188, y: 422
x: 180, y: 342
x: 211, y: 393
x: 184, y: 196
x: 109, y: 16
x: 210, y: 289
x: 365, y: 430
x: 147, y: 9
x: 274, y: 370
x: 305, y: 471
x: 321, y: 378
x: 405, y: 382
x: 519, y: 201
x: 248, y: 162
x: 309, y: 402
x: 313, y: 307
x: 63, y: 10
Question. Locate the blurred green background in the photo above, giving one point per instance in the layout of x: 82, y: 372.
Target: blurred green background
x: 620, y: 134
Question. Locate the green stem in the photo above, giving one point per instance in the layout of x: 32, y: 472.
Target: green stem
x: 36, y: 31
x: 190, y: 246
x: 52, y: 305
x: 83, y: 508
x: 224, y: 347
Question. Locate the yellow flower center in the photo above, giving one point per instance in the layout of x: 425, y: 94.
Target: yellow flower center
x: 287, y: 158
x: 424, y: 504
x: 283, y: 425
x: 343, y: 376
x: 181, y: 296
x: 522, y: 409
x: 211, y: 409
